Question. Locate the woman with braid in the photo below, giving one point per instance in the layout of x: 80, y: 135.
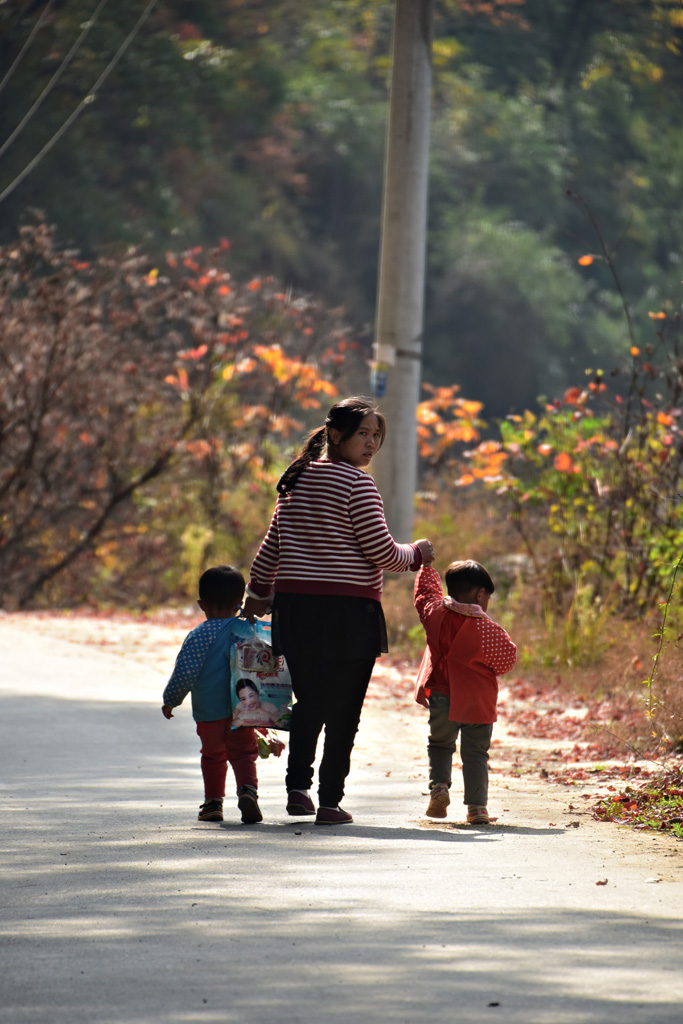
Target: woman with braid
x: 320, y: 566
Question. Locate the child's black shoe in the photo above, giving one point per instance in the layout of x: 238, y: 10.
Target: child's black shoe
x: 248, y: 805
x: 211, y: 810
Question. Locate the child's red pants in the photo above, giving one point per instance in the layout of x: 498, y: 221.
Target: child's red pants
x: 221, y: 746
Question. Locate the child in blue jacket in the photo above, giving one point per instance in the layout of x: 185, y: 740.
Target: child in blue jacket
x: 202, y: 669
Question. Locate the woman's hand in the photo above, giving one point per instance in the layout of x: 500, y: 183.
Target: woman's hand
x: 254, y: 609
x: 427, y: 550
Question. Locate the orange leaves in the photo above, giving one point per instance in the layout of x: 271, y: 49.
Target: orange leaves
x: 572, y: 396
x: 254, y: 285
x: 468, y: 408
x: 657, y: 316
x: 544, y: 449
x: 281, y: 367
x: 486, y: 464
x: 489, y: 448
x: 285, y: 371
x: 426, y: 414
x: 202, y: 448
x: 181, y: 380
x: 243, y: 366
x: 635, y: 351
x: 665, y: 419
x: 445, y: 420
x: 585, y: 261
x: 564, y: 463
x: 153, y: 277
x: 194, y: 353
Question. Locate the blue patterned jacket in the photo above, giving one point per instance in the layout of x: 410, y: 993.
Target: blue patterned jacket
x: 202, y: 668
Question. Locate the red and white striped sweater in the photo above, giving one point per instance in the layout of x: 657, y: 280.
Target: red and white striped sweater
x: 329, y: 536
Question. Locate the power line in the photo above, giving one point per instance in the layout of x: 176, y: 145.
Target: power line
x: 55, y: 78
x: 89, y: 98
x: 22, y: 51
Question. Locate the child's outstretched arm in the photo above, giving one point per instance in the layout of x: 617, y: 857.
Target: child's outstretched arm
x: 427, y: 592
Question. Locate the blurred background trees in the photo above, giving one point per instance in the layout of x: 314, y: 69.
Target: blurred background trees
x: 263, y: 122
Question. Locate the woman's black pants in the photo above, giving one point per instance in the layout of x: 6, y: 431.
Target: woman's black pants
x: 329, y: 694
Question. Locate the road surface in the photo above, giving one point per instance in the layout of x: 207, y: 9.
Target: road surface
x: 119, y: 907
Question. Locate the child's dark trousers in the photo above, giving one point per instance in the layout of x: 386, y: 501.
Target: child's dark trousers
x: 475, y: 741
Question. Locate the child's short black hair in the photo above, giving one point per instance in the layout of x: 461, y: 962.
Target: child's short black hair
x: 222, y: 585
x: 467, y: 577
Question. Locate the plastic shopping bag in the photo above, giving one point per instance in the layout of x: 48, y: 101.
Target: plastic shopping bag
x: 260, y: 684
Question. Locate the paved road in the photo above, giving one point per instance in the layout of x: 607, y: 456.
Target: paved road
x: 118, y: 907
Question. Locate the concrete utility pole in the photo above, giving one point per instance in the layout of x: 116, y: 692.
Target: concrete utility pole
x: 400, y: 303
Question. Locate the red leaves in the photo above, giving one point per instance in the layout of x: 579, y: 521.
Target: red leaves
x: 656, y: 805
x: 194, y: 353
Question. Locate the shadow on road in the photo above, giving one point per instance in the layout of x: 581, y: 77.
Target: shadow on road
x: 119, y: 908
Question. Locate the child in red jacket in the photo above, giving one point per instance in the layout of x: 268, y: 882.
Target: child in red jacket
x: 465, y: 652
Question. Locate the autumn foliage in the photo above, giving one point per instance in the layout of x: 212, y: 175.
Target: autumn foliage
x: 592, y: 481
x: 114, y: 371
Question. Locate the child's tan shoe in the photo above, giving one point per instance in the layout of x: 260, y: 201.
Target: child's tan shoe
x: 439, y: 799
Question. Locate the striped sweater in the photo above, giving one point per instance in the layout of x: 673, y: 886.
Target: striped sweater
x: 329, y: 536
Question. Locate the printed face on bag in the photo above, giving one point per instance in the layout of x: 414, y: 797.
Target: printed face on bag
x: 248, y: 696
x: 362, y: 445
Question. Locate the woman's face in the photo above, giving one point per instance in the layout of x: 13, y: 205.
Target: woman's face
x: 248, y: 698
x: 363, y: 443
